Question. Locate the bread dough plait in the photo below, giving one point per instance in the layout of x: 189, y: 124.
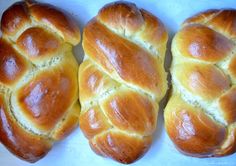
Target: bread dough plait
x: 200, y: 116
x: 121, y: 80
x: 38, y: 78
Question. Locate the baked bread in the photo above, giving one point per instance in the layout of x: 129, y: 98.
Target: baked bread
x: 121, y: 80
x: 200, y: 116
x: 38, y: 78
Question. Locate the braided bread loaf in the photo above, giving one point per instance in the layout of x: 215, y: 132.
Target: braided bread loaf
x: 121, y: 80
x: 200, y: 116
x: 38, y: 78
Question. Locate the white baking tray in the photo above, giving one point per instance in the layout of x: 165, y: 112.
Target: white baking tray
x: 74, y: 150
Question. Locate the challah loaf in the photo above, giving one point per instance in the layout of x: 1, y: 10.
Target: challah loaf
x: 200, y: 116
x: 121, y: 80
x: 38, y: 78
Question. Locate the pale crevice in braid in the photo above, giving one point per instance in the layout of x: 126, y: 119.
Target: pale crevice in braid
x: 121, y: 81
x: 133, y: 38
x: 115, y: 129
x: 28, y: 129
x: 198, y: 102
x: 204, y: 21
x: 94, y: 101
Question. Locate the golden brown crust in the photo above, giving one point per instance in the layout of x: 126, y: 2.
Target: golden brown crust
x: 22, y: 143
x: 51, y: 16
x: 69, y: 123
x: 131, y: 112
x: 232, y: 67
x: 36, y: 42
x: 154, y: 32
x: 93, y: 82
x: 221, y: 20
x: 136, y: 67
x: 225, y: 22
x: 93, y: 122
x: 201, y: 17
x: 38, y: 78
x: 12, y: 65
x: 202, y: 104
x: 191, y: 130
x: 204, y: 80
x: 15, y: 18
x: 122, y: 80
x: 228, y: 105
x: 18, y: 16
x: 121, y: 147
x: 204, y: 44
x: 127, y: 16
x: 43, y: 99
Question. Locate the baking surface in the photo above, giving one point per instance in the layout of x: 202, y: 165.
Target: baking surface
x: 74, y: 150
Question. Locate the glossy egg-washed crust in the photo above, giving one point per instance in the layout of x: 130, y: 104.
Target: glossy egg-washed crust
x: 200, y: 116
x: 38, y: 78
x: 122, y: 80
